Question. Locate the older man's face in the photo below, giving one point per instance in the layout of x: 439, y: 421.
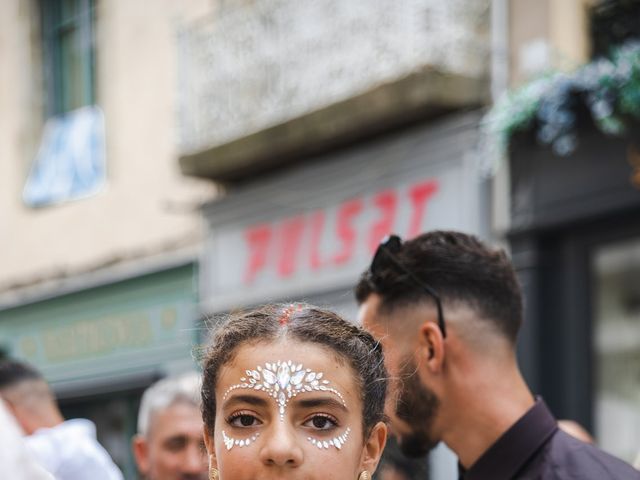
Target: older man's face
x: 174, y: 446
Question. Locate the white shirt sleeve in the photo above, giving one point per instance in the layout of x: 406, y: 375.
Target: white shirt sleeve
x: 15, y: 460
x: 70, y: 451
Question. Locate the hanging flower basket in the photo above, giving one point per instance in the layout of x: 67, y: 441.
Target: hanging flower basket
x: 552, y: 107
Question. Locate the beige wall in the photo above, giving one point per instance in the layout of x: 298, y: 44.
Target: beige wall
x: 547, y: 34
x: 147, y: 206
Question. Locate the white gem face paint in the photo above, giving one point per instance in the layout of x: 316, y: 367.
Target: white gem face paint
x: 284, y: 380
x: 232, y: 442
x: 334, y: 442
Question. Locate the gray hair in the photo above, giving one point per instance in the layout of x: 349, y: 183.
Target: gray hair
x: 164, y: 393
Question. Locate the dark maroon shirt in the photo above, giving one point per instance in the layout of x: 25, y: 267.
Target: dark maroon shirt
x: 535, y: 448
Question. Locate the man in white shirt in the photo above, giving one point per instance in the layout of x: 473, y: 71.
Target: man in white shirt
x: 170, y: 441
x: 68, y: 449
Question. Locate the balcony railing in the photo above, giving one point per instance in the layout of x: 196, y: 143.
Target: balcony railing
x: 264, y: 63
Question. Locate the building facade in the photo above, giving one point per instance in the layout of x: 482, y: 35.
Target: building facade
x: 99, y: 232
x: 331, y: 124
x: 308, y: 130
x: 573, y: 221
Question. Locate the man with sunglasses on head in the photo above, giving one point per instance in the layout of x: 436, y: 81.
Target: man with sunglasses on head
x: 447, y: 310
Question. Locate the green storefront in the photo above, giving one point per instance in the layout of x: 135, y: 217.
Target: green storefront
x: 100, y: 347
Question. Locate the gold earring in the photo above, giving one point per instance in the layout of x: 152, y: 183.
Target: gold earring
x: 364, y: 475
x: 213, y: 473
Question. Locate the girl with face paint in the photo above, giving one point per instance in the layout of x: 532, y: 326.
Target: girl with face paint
x: 293, y: 392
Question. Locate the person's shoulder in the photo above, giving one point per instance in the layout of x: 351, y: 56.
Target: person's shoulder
x: 569, y: 458
x: 69, y: 433
x: 75, y: 449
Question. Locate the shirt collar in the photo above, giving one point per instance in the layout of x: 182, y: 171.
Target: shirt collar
x: 517, y: 445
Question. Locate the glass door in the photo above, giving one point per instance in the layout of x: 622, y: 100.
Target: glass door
x: 616, y: 347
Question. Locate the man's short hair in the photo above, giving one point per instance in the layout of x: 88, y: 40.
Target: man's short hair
x: 13, y: 372
x: 164, y: 393
x: 460, y: 268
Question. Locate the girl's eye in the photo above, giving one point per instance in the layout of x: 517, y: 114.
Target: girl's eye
x: 321, y: 422
x: 243, y: 420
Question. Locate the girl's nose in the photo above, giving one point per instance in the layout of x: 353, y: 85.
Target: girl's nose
x: 280, y: 446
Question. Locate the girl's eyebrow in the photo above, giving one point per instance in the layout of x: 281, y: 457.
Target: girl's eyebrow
x: 246, y: 398
x: 306, y: 402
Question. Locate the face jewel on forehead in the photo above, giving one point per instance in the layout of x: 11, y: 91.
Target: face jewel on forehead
x: 284, y: 380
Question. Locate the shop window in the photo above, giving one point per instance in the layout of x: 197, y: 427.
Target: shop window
x: 70, y: 161
x: 617, y: 348
x: 67, y: 27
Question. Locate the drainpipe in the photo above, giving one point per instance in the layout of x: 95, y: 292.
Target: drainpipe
x: 499, y: 47
x: 500, y: 191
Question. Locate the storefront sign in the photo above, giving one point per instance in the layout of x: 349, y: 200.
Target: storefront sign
x: 101, y: 336
x: 311, y: 231
x: 294, y: 244
x: 134, y: 325
x: 321, y: 249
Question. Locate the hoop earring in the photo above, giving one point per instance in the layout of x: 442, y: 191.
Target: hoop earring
x: 364, y: 475
x: 213, y: 473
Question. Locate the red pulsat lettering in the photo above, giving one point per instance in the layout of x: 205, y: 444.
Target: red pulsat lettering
x: 283, y: 246
x: 386, y: 202
x: 258, y: 239
x: 291, y: 232
x: 317, y: 225
x: 344, y: 228
x: 420, y: 195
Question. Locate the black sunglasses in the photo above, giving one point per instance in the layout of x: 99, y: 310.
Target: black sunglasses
x: 387, y: 250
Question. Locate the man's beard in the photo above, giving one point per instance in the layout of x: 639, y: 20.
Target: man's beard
x: 417, y: 407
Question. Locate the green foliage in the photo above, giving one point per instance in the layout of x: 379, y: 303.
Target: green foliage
x: 607, y: 88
